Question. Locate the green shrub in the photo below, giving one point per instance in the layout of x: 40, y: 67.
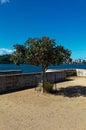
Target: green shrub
x: 48, y: 87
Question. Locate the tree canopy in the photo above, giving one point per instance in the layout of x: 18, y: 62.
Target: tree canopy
x: 19, y: 55
x: 5, y: 59
x: 41, y: 51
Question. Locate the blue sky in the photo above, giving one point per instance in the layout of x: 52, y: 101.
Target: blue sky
x: 62, y: 20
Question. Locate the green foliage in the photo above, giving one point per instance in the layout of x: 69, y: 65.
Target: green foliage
x: 40, y: 51
x: 62, y: 55
x: 5, y: 59
x: 44, y: 52
x: 48, y: 87
x: 18, y: 56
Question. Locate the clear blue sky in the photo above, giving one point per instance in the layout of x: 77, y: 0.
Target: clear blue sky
x: 62, y: 20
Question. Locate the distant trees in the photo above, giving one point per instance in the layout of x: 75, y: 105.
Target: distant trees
x: 5, y: 59
x: 41, y: 51
x: 19, y: 55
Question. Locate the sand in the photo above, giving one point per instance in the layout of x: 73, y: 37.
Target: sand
x: 31, y: 110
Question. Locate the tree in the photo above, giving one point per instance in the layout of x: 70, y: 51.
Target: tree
x: 19, y: 55
x: 5, y: 59
x: 41, y: 51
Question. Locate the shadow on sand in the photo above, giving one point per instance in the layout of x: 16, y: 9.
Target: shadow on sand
x: 71, y: 91
x: 14, y: 90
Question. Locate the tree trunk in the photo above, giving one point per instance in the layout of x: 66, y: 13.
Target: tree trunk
x: 43, y: 79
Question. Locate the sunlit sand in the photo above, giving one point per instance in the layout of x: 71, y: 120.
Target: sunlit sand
x: 30, y: 110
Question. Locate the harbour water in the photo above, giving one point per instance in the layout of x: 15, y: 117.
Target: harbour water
x: 33, y: 69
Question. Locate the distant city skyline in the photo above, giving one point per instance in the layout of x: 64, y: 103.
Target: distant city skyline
x: 62, y: 20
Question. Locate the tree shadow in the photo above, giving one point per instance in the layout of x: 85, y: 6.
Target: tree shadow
x: 71, y: 91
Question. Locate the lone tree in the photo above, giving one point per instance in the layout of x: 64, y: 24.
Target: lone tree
x: 41, y: 51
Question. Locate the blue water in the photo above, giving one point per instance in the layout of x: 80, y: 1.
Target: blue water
x: 31, y: 69
x: 25, y: 68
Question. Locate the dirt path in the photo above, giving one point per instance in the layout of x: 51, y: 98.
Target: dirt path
x: 30, y: 110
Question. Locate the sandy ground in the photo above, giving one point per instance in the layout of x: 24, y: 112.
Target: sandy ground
x: 31, y: 110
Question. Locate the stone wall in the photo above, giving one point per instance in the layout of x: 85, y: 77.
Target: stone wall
x: 70, y: 72
x: 6, y: 72
x: 22, y: 81
x: 76, y: 72
x: 59, y: 75
x: 14, y: 80
x: 18, y: 81
x: 81, y: 72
